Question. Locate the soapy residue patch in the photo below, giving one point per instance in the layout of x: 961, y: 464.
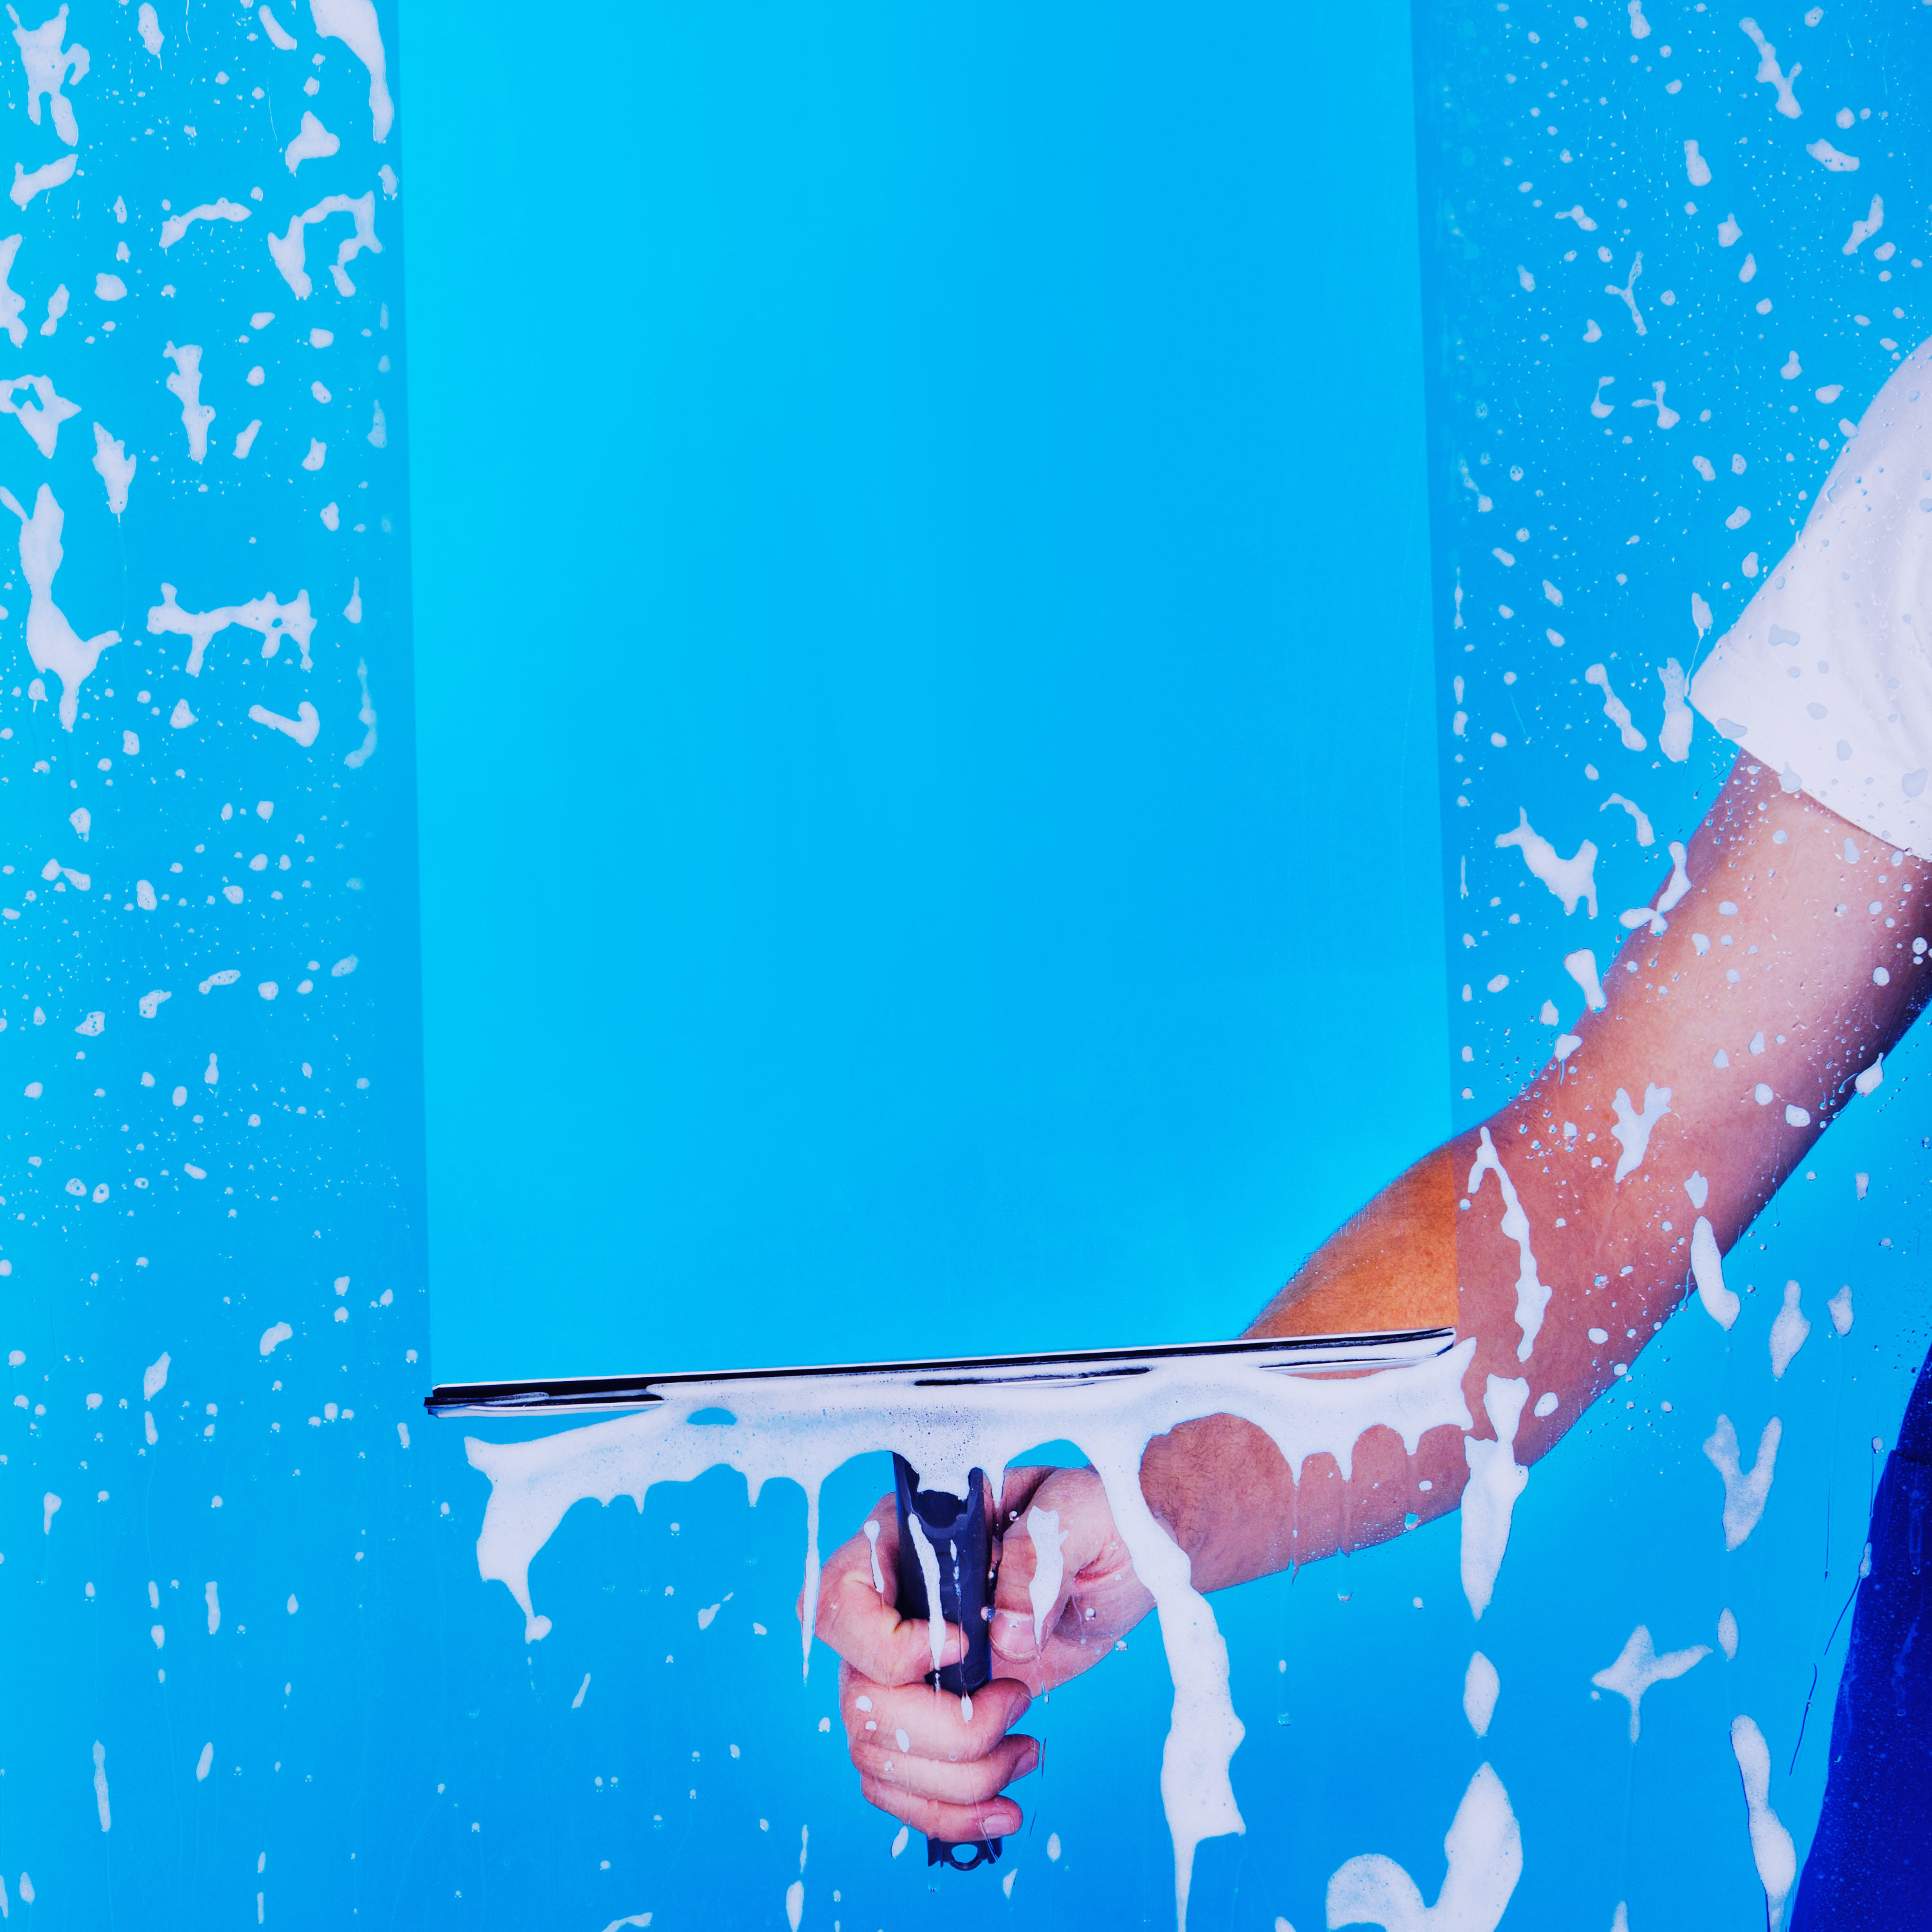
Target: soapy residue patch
x: 1484, y: 1847
x: 1707, y: 1270
x: 1745, y: 1491
x: 1632, y: 1129
x: 1049, y: 1566
x: 354, y: 23
x: 176, y: 226
x: 1571, y: 879
x: 1788, y: 1332
x: 1772, y: 1850
x: 1615, y: 708
x: 1481, y: 1686
x: 359, y: 755
x: 302, y: 727
x: 290, y: 251
x: 52, y: 643
x: 985, y: 1426
x: 1645, y: 836
x: 50, y: 68
x: 1673, y: 738
x: 1532, y: 1298
x: 270, y: 619
x: 1638, y: 1666
x: 1496, y: 1479
x: 1581, y: 966
x: 1771, y: 74
x: 185, y: 383
x: 116, y: 468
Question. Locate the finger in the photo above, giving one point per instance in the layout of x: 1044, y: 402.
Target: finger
x: 875, y: 1639
x: 873, y: 1553
x: 857, y: 1590
x: 1064, y: 1528
x: 978, y: 1781
x: 951, y: 1824
x: 938, y: 1724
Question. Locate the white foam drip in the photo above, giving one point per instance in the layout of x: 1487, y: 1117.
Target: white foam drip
x: 52, y: 643
x: 1632, y: 1128
x: 354, y: 23
x: 290, y: 251
x: 115, y: 467
x: 1769, y: 72
x: 878, y: 1575
x: 27, y: 185
x: 1570, y: 879
x: 1745, y: 1491
x: 1772, y: 1851
x: 1638, y: 1666
x: 1645, y: 834
x: 1481, y: 1686
x: 1532, y: 1298
x: 50, y: 67
x: 1049, y: 1567
x: 1788, y: 1332
x: 366, y: 717
x: 779, y: 1431
x: 1496, y: 1479
x: 1680, y: 883
x: 928, y: 1572
x: 185, y: 383
x: 1615, y: 709
x: 272, y: 620
x: 1484, y: 1846
x: 1582, y: 967
x: 176, y: 226
x: 1707, y: 1269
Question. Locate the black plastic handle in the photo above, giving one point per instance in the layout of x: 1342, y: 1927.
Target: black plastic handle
x: 959, y: 1544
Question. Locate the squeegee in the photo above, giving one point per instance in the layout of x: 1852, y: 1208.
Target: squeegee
x: 949, y: 1549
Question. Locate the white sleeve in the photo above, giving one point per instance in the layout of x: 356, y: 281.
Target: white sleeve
x: 1827, y: 676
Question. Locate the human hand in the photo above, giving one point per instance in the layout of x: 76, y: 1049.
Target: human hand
x: 941, y: 1763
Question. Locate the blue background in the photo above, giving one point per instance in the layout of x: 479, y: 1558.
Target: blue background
x: 927, y: 777
x: 921, y: 615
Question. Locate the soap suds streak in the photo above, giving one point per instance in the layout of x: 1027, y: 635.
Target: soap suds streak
x: 1484, y: 1847
x: 1638, y: 1666
x: 52, y: 643
x: 1632, y: 1129
x: 270, y: 619
x: 1746, y: 1492
x: 1572, y: 880
x: 1496, y: 1479
x: 1532, y: 1298
x: 1049, y: 1567
x: 290, y: 251
x: 1772, y: 1851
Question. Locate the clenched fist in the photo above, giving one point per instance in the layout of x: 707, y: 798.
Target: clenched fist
x: 1067, y: 1591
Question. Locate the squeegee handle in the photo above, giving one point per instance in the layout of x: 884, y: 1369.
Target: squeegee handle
x: 951, y: 1539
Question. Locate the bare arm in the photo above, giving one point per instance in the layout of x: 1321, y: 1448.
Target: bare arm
x: 1801, y: 968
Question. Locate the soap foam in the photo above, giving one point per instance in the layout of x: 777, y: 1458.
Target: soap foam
x: 946, y: 1435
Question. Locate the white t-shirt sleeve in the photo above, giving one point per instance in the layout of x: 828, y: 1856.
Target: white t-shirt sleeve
x: 1827, y: 676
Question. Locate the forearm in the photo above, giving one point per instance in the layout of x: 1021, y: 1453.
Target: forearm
x: 1797, y: 982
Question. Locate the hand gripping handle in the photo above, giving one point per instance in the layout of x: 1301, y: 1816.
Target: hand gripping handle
x: 950, y: 1541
